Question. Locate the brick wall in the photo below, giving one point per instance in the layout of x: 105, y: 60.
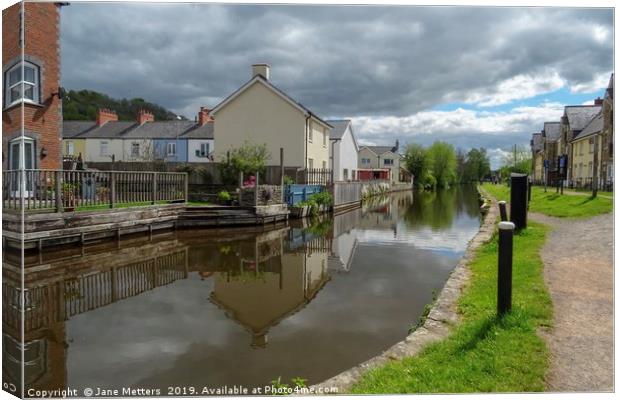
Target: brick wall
x: 42, y: 122
x: 267, y: 195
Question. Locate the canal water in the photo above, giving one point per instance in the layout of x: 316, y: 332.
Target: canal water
x: 208, y: 308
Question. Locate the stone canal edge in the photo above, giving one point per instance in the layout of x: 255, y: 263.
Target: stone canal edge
x: 442, y: 317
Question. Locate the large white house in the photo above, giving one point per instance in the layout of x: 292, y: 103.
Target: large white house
x: 342, y: 150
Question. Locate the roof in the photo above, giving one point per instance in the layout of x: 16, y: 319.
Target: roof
x: 74, y: 128
x: 609, y: 93
x: 269, y: 85
x: 537, y: 141
x: 200, y: 132
x: 131, y: 130
x: 109, y: 130
x: 552, y: 131
x: 594, y: 126
x: 378, y: 150
x: 339, y: 128
x: 579, y: 116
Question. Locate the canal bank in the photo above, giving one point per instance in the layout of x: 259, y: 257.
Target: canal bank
x: 442, y: 316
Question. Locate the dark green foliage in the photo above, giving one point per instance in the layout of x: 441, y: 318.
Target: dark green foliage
x: 82, y: 105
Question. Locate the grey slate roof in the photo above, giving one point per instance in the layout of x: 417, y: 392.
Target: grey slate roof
x: 579, y: 116
x: 380, y: 149
x: 537, y: 141
x: 594, y: 126
x: 339, y: 128
x: 74, y: 128
x: 109, y: 130
x: 552, y: 131
x: 159, y: 130
x: 131, y: 130
x: 199, y: 132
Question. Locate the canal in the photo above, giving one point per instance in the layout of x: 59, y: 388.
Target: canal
x: 235, y: 307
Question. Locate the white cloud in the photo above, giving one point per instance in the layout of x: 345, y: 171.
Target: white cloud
x: 599, y: 82
x: 516, y: 88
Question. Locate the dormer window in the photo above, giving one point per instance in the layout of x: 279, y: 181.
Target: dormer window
x: 18, y: 86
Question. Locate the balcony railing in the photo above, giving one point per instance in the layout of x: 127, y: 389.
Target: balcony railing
x: 59, y: 190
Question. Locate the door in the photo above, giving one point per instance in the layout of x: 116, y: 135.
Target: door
x: 22, y: 158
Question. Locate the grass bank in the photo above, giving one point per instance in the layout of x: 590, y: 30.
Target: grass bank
x: 484, y: 353
x: 556, y: 205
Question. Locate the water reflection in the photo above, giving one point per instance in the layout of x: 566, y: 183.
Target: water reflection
x: 215, y: 307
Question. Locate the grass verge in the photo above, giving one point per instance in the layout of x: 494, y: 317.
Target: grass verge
x: 484, y: 353
x: 121, y: 205
x: 556, y: 205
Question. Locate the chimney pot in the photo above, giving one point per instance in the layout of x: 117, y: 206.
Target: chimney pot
x: 204, y: 116
x: 261, y: 69
x: 145, y: 116
x: 104, y: 115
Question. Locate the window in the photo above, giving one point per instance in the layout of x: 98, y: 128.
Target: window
x: 310, y: 133
x: 365, y: 160
x: 15, y: 83
x: 70, y: 148
x: 580, y: 148
x: 388, y: 161
x: 324, y: 138
x: 324, y: 164
x: 345, y: 174
x: 204, y: 149
x: 310, y: 163
x: 103, y: 148
x: 591, y: 143
x: 135, y: 150
x: 171, y: 149
x: 590, y: 169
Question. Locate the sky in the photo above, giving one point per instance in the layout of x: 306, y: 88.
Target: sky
x: 471, y: 76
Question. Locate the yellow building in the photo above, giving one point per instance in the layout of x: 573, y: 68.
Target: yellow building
x: 583, y: 153
x: 260, y: 113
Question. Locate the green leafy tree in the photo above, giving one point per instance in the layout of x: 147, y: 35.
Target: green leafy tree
x: 249, y: 159
x: 518, y: 160
x: 84, y: 104
x: 442, y: 160
x: 416, y: 162
x: 477, y: 165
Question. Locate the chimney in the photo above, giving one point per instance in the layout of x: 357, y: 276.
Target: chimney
x: 203, y: 116
x: 145, y: 116
x: 395, y: 149
x: 261, y: 69
x: 598, y: 101
x: 104, y: 115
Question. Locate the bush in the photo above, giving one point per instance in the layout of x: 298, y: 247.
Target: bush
x: 323, y: 198
x: 223, y: 196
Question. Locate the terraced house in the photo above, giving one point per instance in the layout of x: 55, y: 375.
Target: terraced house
x: 144, y: 139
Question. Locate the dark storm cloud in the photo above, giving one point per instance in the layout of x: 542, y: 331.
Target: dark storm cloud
x: 339, y: 61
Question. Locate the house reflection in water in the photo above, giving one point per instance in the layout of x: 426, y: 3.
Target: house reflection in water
x: 261, y: 283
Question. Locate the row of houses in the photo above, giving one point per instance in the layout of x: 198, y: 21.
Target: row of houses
x: 257, y: 112
x: 582, y: 140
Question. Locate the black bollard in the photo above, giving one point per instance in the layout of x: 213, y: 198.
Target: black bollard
x: 504, y: 267
x: 502, y: 210
x: 529, y: 192
x: 518, y: 200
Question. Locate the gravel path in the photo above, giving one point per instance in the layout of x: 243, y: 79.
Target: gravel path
x: 578, y: 258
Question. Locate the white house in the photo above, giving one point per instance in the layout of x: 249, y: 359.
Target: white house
x: 342, y: 150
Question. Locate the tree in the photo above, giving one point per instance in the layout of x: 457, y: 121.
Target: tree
x: 519, y: 160
x: 416, y: 162
x: 249, y: 159
x: 477, y: 165
x: 442, y: 161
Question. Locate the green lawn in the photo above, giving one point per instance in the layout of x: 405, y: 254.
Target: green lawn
x: 556, y: 205
x: 121, y: 205
x: 484, y: 353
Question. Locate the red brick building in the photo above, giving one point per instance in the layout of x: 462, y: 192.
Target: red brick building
x: 31, y: 82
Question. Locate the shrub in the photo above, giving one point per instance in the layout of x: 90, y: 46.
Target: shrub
x: 223, y: 196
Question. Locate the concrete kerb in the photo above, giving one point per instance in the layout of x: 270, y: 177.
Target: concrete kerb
x: 442, y: 318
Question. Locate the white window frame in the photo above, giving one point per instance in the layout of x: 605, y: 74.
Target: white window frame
x: 70, y: 148
x: 365, y: 160
x: 103, y: 147
x: 310, y: 163
x: 205, y: 149
x: 310, y: 133
x: 324, y: 138
x: 324, y: 165
x: 135, y: 154
x: 388, y: 161
x: 21, y: 84
x: 170, y: 146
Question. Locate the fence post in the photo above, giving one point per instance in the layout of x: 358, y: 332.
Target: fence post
x: 504, y: 271
x: 303, y: 194
x: 112, y: 181
x: 502, y: 210
x: 58, y: 182
x: 256, y: 190
x: 282, y: 173
x: 154, y: 188
x: 186, y: 178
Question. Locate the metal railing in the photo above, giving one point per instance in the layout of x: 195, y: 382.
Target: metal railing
x: 314, y: 176
x: 58, y: 190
